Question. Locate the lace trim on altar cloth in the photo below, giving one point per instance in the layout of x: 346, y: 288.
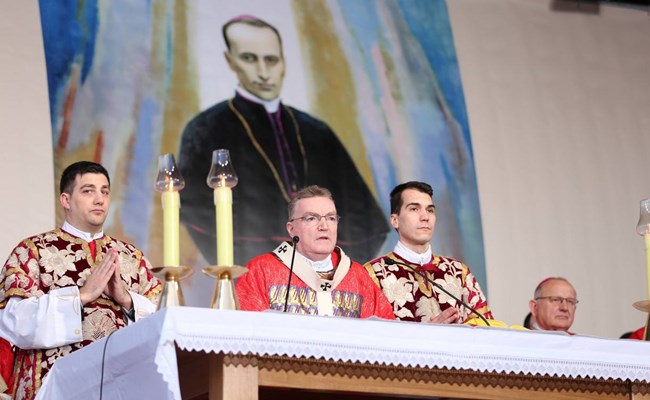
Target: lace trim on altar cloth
x: 427, y: 346
x: 147, y: 350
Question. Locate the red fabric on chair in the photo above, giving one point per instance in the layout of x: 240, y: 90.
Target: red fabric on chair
x: 6, y: 363
x: 639, y: 334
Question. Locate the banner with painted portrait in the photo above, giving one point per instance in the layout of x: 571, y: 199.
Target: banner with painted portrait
x: 358, y: 97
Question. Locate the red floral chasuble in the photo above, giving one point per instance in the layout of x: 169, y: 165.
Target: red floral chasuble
x: 55, y: 260
x: 415, y: 299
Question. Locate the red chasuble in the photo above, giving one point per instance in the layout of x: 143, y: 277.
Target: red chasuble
x: 55, y: 260
x: 350, y: 292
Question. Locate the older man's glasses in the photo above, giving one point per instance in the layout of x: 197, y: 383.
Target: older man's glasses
x: 557, y: 300
x: 314, y: 219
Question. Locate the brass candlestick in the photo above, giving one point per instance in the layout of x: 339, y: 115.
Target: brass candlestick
x: 172, y: 294
x: 222, y: 179
x: 224, y: 296
x: 169, y: 182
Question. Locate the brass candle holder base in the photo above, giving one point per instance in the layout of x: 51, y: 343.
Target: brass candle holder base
x: 224, y: 296
x: 644, y: 305
x: 172, y: 295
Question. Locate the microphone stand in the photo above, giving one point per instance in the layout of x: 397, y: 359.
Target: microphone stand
x: 390, y: 261
x: 295, y: 240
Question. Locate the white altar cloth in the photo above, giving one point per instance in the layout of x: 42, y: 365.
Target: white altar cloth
x: 140, y: 360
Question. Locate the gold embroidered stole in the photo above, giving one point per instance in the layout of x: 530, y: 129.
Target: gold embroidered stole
x: 304, y: 271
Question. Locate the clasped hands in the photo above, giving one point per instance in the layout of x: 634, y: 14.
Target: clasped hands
x: 106, y: 279
x: 448, y: 316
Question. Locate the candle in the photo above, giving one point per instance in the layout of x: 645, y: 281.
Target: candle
x: 647, y: 260
x: 643, y: 229
x: 223, y: 206
x: 171, y: 205
x: 222, y: 179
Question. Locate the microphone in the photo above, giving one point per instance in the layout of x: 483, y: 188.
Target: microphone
x: 295, y: 241
x: 390, y: 261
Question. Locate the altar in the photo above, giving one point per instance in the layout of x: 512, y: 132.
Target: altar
x: 194, y: 353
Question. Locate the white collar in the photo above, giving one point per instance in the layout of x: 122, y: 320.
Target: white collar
x: 320, y: 266
x: 81, y: 234
x: 271, y: 106
x: 411, y: 256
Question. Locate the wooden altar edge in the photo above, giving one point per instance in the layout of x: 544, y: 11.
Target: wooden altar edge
x: 232, y: 371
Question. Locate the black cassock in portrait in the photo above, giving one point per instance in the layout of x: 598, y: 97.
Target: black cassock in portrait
x: 274, y: 155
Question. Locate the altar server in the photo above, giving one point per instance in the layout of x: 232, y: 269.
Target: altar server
x: 64, y: 289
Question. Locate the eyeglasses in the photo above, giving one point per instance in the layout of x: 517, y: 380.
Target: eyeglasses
x: 314, y: 219
x: 557, y: 300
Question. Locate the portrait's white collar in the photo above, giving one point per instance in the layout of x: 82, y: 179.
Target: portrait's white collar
x: 270, y: 106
